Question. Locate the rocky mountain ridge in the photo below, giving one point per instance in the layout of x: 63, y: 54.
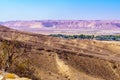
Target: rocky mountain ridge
x: 67, y: 26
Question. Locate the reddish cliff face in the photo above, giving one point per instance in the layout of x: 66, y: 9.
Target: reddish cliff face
x: 66, y: 26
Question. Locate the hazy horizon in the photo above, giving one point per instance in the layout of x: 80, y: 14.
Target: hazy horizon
x: 12, y: 10
x: 59, y: 20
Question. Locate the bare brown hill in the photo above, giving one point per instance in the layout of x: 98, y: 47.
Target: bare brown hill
x: 65, y: 59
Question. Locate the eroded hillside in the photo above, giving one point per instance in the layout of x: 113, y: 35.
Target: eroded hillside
x: 66, y: 59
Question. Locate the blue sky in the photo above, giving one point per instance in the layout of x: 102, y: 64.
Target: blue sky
x: 59, y: 10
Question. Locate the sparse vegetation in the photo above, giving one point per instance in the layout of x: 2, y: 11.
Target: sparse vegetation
x: 10, y: 51
x: 11, y: 58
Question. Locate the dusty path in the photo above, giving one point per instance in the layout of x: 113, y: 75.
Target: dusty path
x: 71, y: 73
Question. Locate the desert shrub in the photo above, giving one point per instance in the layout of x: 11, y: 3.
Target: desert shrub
x: 9, y: 52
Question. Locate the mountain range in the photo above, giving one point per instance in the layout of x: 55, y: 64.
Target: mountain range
x: 100, y: 27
